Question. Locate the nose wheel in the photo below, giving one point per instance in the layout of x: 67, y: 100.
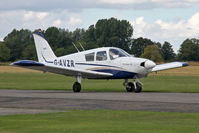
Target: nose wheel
x: 138, y: 87
x: 133, y: 86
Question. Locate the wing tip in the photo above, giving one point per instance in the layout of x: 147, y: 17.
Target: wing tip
x: 184, y: 64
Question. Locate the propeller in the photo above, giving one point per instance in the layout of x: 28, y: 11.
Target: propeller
x: 148, y: 64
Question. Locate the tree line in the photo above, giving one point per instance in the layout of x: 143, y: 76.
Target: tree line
x: 19, y: 44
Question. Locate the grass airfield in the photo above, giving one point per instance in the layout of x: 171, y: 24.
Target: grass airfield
x: 39, y: 81
x: 174, y: 80
x: 101, y: 121
x: 183, y: 80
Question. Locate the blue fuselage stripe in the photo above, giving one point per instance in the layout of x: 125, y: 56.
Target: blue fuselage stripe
x: 117, y: 74
x: 97, y: 65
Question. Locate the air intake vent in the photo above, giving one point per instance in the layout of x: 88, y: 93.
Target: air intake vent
x: 142, y: 64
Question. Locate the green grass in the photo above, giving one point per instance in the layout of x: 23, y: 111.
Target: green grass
x: 38, y: 81
x: 4, y: 63
x: 171, y: 84
x: 101, y: 122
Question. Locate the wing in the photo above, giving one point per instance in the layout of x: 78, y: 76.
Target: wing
x: 58, y: 70
x: 169, y: 66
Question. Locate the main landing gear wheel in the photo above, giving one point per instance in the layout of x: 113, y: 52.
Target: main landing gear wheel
x: 130, y: 87
x: 76, y: 87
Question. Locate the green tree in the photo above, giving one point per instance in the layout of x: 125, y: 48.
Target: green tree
x: 60, y: 52
x: 167, y: 51
x: 61, y: 39
x: 90, y: 34
x: 29, y: 53
x: 65, y: 38
x: 89, y: 45
x: 189, y: 50
x: 52, y: 36
x: 86, y: 46
x: 138, y: 45
x: 110, y: 32
x: 152, y: 52
x: 17, y: 41
x: 4, y: 52
x: 78, y: 35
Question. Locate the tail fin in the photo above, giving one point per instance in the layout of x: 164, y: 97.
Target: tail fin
x: 44, y: 51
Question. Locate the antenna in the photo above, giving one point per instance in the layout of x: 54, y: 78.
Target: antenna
x: 75, y: 47
x: 81, y: 46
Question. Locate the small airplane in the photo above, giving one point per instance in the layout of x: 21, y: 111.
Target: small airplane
x: 99, y: 63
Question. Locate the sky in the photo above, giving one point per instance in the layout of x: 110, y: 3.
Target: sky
x: 159, y: 20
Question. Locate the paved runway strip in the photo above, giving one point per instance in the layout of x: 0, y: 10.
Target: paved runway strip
x: 61, y: 100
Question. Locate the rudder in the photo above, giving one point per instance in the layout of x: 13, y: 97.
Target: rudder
x: 44, y: 51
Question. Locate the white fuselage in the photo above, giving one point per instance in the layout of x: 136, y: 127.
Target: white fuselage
x: 100, y: 60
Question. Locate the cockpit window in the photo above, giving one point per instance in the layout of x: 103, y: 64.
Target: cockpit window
x: 90, y: 56
x: 115, y: 53
x: 124, y: 52
x: 101, y: 56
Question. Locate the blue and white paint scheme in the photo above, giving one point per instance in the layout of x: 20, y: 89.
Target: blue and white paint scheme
x: 99, y: 63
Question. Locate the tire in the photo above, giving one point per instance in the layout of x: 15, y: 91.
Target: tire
x: 76, y: 87
x: 130, y: 87
x: 138, y: 88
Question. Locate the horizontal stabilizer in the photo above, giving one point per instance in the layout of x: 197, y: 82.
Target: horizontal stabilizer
x: 27, y: 63
x: 169, y: 66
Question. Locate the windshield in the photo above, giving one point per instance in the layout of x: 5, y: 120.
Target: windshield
x: 115, y: 53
